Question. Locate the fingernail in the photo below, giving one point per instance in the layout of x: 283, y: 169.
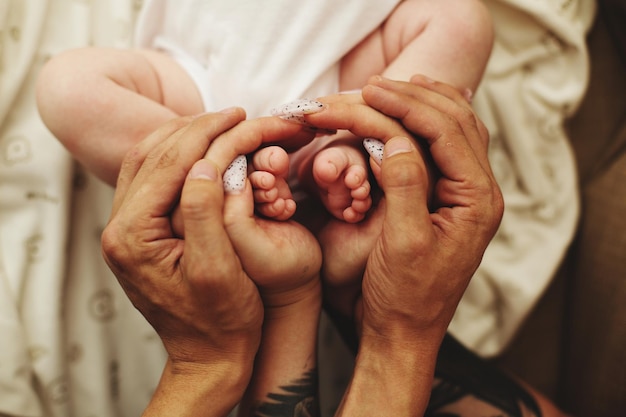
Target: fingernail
x: 374, y: 147
x: 396, y: 146
x: 295, y: 110
x: 203, y: 169
x: 295, y: 118
x: 235, y: 175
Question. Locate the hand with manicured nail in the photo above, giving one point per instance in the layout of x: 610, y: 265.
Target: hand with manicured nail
x: 423, y: 251
x: 282, y: 258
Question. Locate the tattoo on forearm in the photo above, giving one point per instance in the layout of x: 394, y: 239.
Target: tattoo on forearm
x: 298, y: 399
x: 468, y: 383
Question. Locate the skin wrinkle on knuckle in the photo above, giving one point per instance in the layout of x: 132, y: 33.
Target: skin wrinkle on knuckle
x: 465, y: 116
x: 195, y: 203
x: 402, y: 172
x: 444, y: 128
x: 132, y: 160
x: 167, y: 158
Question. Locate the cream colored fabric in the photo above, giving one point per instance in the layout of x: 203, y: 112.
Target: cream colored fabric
x: 292, y: 50
x: 535, y: 79
x: 71, y: 344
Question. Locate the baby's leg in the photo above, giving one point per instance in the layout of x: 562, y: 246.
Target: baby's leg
x: 272, y: 195
x: 100, y: 102
x: 446, y: 40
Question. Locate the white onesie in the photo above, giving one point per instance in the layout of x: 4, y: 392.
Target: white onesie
x: 259, y: 54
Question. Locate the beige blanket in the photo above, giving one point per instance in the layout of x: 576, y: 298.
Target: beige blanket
x: 71, y: 343
x: 535, y: 79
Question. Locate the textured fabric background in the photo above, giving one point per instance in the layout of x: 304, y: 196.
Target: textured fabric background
x: 72, y: 345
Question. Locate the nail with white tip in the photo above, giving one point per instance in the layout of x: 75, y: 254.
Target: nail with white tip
x: 295, y: 110
x: 234, y: 178
x: 374, y: 147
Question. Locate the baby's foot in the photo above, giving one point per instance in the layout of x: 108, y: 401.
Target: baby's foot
x: 272, y: 196
x: 342, y: 179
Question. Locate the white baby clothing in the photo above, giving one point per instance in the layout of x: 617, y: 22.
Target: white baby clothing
x: 259, y: 54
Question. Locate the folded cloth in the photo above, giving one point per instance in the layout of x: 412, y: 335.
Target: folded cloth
x: 536, y: 78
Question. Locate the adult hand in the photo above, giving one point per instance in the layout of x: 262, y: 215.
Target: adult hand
x: 424, y: 258
x: 283, y: 259
x: 194, y: 292
x: 346, y: 246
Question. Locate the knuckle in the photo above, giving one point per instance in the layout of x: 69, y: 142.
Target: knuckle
x: 196, y: 204
x: 132, y: 160
x: 166, y: 159
x: 465, y: 116
x: 113, y: 247
x: 483, y: 131
x: 404, y: 171
x: 488, y: 214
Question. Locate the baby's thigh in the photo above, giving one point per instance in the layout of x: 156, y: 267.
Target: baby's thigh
x: 176, y: 89
x: 363, y: 61
x: 380, y: 48
x: 447, y: 40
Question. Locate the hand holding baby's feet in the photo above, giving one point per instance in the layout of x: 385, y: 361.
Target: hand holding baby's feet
x: 272, y: 196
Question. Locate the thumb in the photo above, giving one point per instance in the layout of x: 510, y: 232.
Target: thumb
x: 404, y: 179
x: 201, y: 205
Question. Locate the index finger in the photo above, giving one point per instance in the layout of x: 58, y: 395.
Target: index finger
x: 251, y: 134
x: 456, y: 141
x: 162, y: 170
x: 360, y: 119
x: 136, y: 156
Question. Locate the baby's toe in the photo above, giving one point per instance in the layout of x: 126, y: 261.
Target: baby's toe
x: 272, y: 159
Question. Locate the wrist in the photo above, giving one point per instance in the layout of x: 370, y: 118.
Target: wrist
x: 300, y: 303
x: 390, y: 378
x: 192, y: 389
x: 287, y: 358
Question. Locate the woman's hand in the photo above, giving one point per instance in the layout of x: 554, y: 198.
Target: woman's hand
x: 435, y: 230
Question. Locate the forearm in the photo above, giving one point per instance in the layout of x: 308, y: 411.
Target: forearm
x: 390, y: 380
x: 285, y: 372
x: 203, y: 390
